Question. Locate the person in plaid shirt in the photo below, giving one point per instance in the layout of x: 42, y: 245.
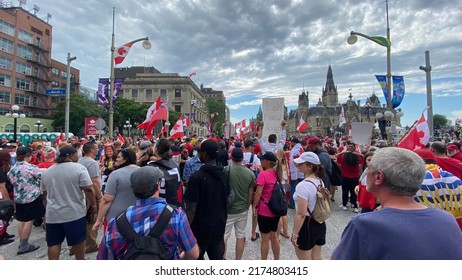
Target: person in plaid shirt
x: 143, y: 215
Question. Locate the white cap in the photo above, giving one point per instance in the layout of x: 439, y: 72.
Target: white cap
x: 308, y: 157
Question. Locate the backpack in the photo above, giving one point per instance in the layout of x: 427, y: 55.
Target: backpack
x: 322, y: 209
x: 336, y: 176
x: 249, y: 166
x: 278, y: 202
x: 229, y: 190
x: 147, y: 247
x: 172, y: 183
x: 6, y: 209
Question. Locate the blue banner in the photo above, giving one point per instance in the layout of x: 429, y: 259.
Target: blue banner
x: 382, y: 79
x: 398, y: 91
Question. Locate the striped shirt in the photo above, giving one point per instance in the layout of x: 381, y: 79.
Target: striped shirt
x: 142, y: 216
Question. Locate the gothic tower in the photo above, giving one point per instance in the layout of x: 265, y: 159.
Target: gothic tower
x: 329, y: 92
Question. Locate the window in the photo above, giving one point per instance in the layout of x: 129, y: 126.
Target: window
x: 5, y: 80
x: 23, y: 68
x: 64, y: 74
x: 54, y: 99
x: 72, y: 77
x: 6, y: 45
x: 25, y: 36
x: 22, y: 84
x: 24, y: 128
x: 21, y: 99
x: 9, y: 128
x: 134, y: 94
x: 163, y: 94
x: 35, y: 101
x: 54, y: 84
x: 4, y: 97
x: 6, y: 63
x: 178, y: 108
x: 24, y: 52
x: 55, y: 72
x: 6, y: 28
x: 149, y: 94
x: 177, y: 93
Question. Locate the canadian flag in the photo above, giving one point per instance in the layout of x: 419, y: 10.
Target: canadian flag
x: 177, y: 129
x: 417, y: 137
x: 186, y: 121
x: 120, y: 138
x: 154, y: 107
x: 121, y: 53
x: 240, y: 125
x: 302, y: 125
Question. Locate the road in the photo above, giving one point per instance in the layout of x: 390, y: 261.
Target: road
x: 335, y: 226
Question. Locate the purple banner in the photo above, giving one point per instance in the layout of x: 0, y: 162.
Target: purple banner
x: 103, y: 91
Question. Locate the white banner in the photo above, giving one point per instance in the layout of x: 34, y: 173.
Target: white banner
x: 273, y: 114
x: 361, y: 132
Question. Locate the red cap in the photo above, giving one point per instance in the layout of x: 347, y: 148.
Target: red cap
x: 314, y: 141
x: 452, y: 147
x: 425, y: 154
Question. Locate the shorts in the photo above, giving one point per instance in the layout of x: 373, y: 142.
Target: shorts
x: 311, y: 233
x: 30, y: 211
x: 239, y: 221
x: 268, y: 224
x: 74, y: 232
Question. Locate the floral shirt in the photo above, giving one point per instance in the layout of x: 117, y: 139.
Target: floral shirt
x: 25, y: 178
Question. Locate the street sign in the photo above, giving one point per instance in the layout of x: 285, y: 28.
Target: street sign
x: 56, y: 91
x: 100, y: 123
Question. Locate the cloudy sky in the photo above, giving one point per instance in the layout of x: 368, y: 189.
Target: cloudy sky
x: 268, y: 48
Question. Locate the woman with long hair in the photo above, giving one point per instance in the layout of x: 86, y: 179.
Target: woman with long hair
x: 367, y: 201
x: 118, y: 195
x: 6, y: 193
x: 350, y: 163
x: 107, y: 163
x: 308, y: 236
x: 283, y: 227
x: 267, y: 221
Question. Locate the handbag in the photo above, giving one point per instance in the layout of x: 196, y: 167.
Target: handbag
x: 6, y: 209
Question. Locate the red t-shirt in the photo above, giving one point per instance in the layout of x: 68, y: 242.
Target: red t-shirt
x: 257, y: 150
x: 349, y: 171
x: 46, y: 164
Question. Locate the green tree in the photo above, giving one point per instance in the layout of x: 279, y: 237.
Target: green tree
x: 440, y: 121
x: 125, y: 109
x: 214, y: 106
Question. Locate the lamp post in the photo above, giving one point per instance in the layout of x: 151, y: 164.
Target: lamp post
x: 167, y: 127
x: 385, y: 42
x: 68, y: 95
x: 38, y: 124
x: 146, y: 45
x: 14, y: 113
x: 128, y: 126
x: 428, y: 68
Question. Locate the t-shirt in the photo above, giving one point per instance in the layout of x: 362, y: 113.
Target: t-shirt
x: 65, y: 198
x: 393, y: 234
x: 246, y: 160
x: 241, y: 180
x: 267, y: 179
x: 307, y: 191
x: 92, y: 167
x: 350, y: 171
x: 119, y: 186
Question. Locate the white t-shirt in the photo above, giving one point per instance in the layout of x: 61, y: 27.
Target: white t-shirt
x: 307, y: 191
x: 246, y: 160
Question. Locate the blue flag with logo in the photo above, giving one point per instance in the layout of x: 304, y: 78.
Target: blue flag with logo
x: 382, y: 79
x: 398, y: 91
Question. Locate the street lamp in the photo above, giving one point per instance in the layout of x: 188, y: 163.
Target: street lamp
x: 167, y: 127
x: 68, y: 95
x: 38, y: 124
x: 317, y: 120
x: 14, y: 113
x: 385, y: 42
x: 146, y: 44
x: 428, y: 68
x: 128, y: 126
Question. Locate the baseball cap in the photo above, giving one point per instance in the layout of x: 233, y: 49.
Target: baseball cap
x: 425, y: 154
x: 65, y: 152
x: 209, y: 147
x: 238, y: 144
x: 452, y: 147
x: 295, y: 140
x: 144, y: 145
x: 144, y: 180
x: 308, y: 157
x: 237, y: 154
x: 314, y: 141
x: 22, y: 151
x: 268, y: 156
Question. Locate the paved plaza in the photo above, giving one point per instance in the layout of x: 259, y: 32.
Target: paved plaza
x: 335, y: 225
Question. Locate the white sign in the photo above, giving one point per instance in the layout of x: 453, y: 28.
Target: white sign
x: 273, y: 115
x: 361, y: 132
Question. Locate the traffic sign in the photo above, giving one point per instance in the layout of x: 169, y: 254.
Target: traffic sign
x: 100, y: 123
x: 56, y: 91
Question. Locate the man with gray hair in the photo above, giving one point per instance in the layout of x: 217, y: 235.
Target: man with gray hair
x: 403, y: 228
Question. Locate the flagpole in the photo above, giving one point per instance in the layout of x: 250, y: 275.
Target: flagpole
x: 111, y: 85
x: 407, y: 132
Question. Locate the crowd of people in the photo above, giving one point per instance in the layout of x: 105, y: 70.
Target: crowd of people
x: 77, y: 189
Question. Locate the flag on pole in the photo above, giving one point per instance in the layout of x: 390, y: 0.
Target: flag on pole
x: 240, y: 125
x: 417, y: 137
x: 120, y: 138
x: 154, y: 107
x: 341, y: 118
x: 177, y: 130
x: 159, y: 114
x: 398, y: 90
x: 302, y: 125
x: 186, y: 121
x: 121, y: 53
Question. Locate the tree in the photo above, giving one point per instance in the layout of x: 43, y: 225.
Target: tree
x: 214, y: 106
x: 440, y: 121
x: 125, y: 109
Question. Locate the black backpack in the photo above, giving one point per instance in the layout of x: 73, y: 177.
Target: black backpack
x: 147, y: 247
x: 6, y: 209
x: 277, y: 203
x: 336, y: 176
x: 172, y: 182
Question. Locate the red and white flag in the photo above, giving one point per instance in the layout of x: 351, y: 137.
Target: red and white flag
x: 177, y: 129
x: 192, y: 74
x: 120, y: 138
x: 302, y: 125
x: 240, y: 125
x: 159, y: 114
x: 418, y: 136
x: 458, y: 121
x: 154, y: 107
x: 341, y: 118
x: 186, y: 121
x: 121, y: 53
